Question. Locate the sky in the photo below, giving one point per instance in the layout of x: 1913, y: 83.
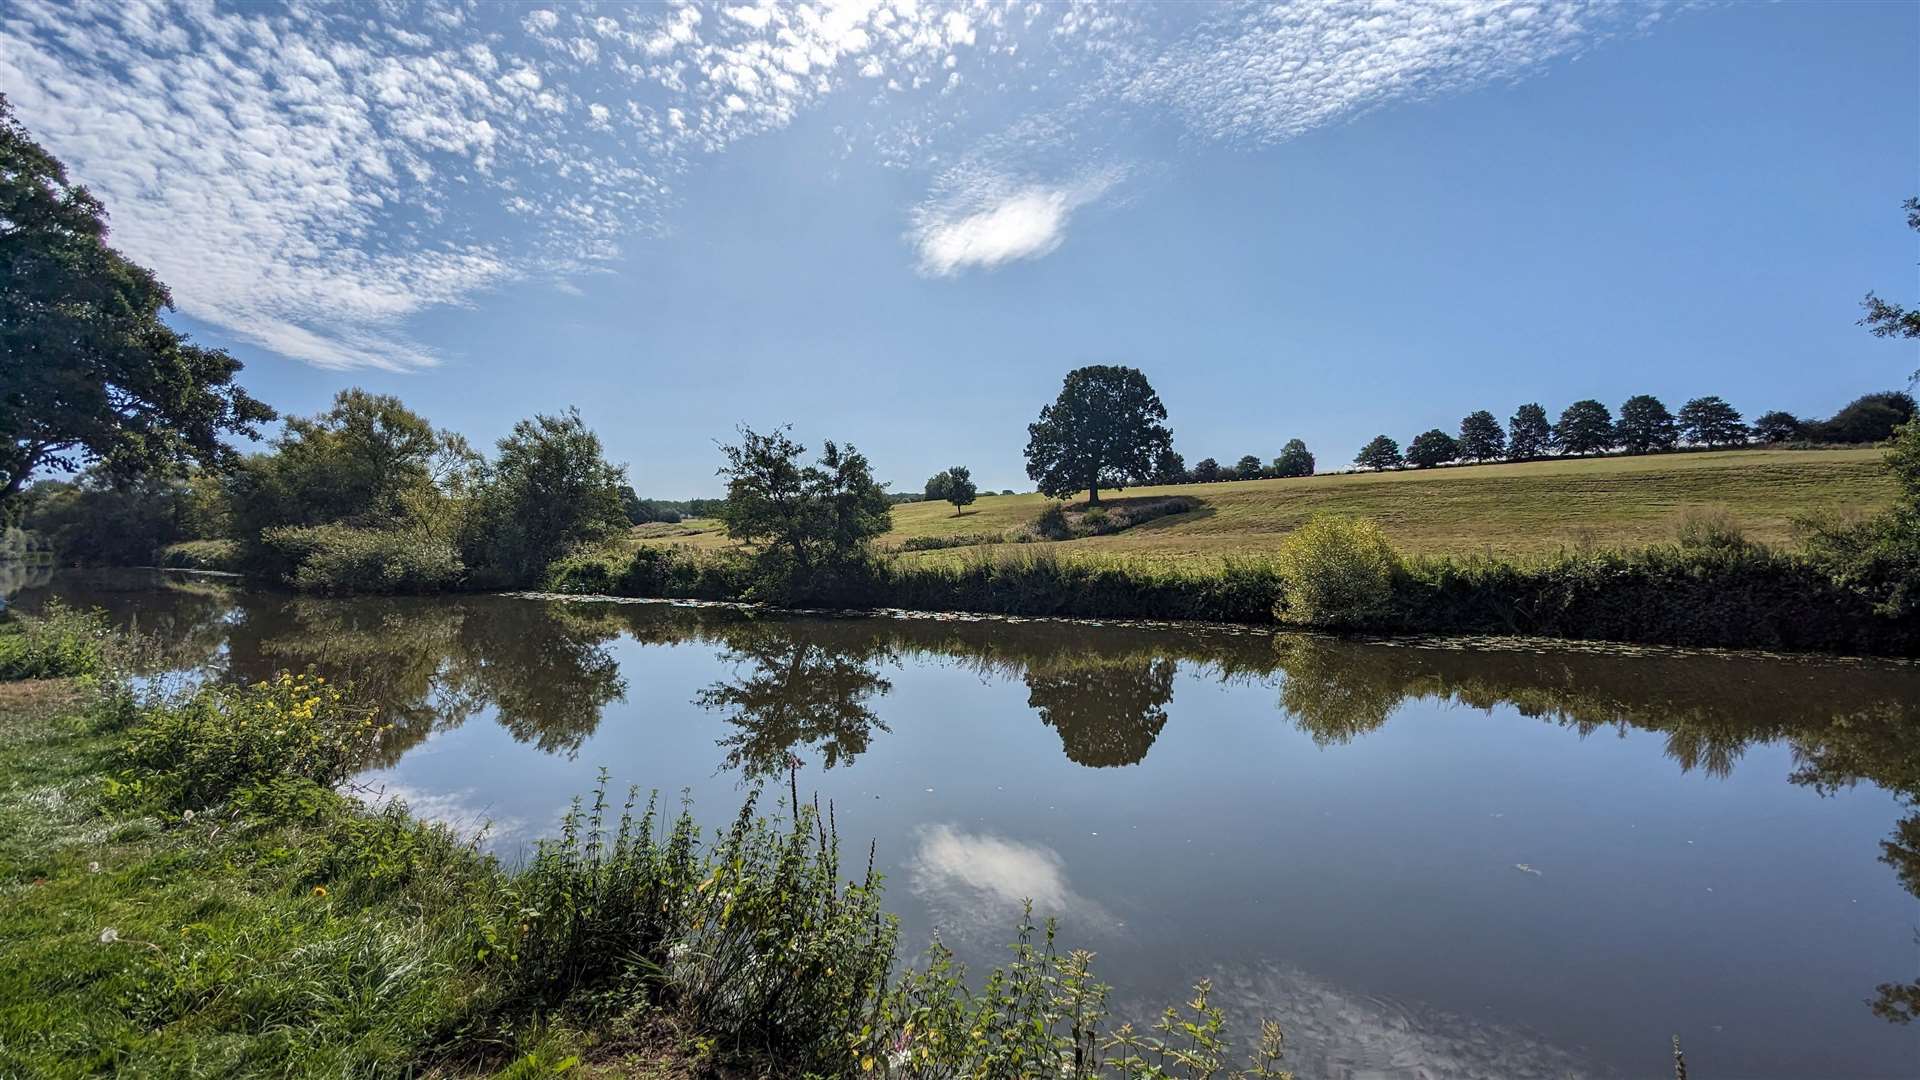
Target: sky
x: 899, y: 224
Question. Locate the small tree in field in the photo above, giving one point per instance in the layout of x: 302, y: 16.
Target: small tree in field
x: 1586, y: 427
x: 1430, y: 448
x: 936, y: 489
x: 1249, y: 468
x: 1481, y: 438
x: 1778, y: 426
x: 958, y: 488
x: 1207, y: 471
x: 1645, y: 426
x: 1381, y: 453
x: 1528, y: 433
x: 1294, y: 460
x: 1106, y: 429
x: 1709, y: 421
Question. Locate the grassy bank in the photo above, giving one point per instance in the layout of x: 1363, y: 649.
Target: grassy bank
x: 1516, y: 509
x: 1726, y: 593
x: 1847, y: 586
x: 187, y: 892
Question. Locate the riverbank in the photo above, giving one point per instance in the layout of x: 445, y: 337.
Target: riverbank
x: 189, y: 891
x: 1724, y: 594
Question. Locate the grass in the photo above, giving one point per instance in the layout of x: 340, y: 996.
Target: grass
x: 184, y: 892
x: 1523, y: 508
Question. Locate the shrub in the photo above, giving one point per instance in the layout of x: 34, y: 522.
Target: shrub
x: 1336, y: 571
x: 755, y: 935
x: 1052, y: 524
x: 202, y: 555
x: 952, y: 540
x: 1710, y: 528
x: 341, y: 558
x: 61, y: 643
x: 668, y: 573
x: 199, y: 751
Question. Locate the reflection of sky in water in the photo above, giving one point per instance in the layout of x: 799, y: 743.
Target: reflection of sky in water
x: 1252, y: 822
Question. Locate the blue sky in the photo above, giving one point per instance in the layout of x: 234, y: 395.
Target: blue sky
x: 900, y: 224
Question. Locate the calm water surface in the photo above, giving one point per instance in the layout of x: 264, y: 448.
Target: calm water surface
x: 1426, y: 861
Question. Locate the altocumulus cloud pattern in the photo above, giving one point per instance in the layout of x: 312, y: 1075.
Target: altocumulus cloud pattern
x: 309, y: 177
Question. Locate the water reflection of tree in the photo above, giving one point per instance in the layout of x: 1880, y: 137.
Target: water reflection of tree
x: 797, y: 689
x: 1107, y: 711
x: 429, y: 665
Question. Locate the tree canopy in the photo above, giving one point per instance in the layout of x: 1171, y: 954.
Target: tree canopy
x: 1481, y: 438
x: 1528, y: 433
x: 1106, y: 429
x: 812, y: 514
x: 1294, y: 460
x: 368, y: 461
x: 549, y: 489
x: 1709, y: 421
x: 1169, y: 467
x: 1206, y: 471
x: 954, y: 485
x: 1778, y: 426
x: 1888, y: 319
x: 1430, y: 448
x: 1646, y: 426
x: 1381, y: 453
x: 89, y: 373
x: 1585, y: 427
x: 1249, y: 467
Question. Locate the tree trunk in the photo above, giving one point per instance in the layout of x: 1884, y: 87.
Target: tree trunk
x: 1093, y: 493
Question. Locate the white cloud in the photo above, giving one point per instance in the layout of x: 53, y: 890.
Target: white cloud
x: 975, y: 883
x: 987, y: 225
x: 312, y: 180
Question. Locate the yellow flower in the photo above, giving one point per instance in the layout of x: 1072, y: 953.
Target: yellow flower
x: 319, y: 890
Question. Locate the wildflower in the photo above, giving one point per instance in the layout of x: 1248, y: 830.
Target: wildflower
x: 320, y: 890
x: 187, y: 816
x: 93, y: 867
x: 109, y: 936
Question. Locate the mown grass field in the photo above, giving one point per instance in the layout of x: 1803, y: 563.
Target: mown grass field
x: 1506, y: 509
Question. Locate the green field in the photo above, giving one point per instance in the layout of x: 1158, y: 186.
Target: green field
x: 1507, y: 509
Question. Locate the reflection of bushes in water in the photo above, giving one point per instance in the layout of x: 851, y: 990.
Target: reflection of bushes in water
x: 790, y: 690
x: 19, y: 574
x: 430, y: 665
x: 1107, y: 712
x: 1330, y: 697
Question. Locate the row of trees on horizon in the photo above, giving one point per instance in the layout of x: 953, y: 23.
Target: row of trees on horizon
x: 1645, y: 426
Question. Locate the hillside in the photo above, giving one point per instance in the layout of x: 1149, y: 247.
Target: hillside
x: 1508, y: 509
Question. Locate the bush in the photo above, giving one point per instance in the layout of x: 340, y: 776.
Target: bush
x: 1336, y: 571
x: 1710, y: 528
x: 202, y: 555
x: 952, y: 540
x: 62, y: 643
x: 756, y: 935
x: 197, y: 752
x: 676, y: 573
x: 340, y: 558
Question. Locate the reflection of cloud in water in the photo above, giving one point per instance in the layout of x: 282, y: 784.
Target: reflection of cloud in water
x: 1339, y: 1034
x: 460, y: 810
x: 974, y: 883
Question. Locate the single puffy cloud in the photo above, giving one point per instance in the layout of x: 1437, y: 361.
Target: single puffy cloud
x: 994, y: 222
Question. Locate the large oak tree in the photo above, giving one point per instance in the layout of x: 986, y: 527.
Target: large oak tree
x: 88, y: 370
x: 1106, y: 429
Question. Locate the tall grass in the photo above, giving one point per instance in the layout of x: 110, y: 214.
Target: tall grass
x: 60, y: 643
